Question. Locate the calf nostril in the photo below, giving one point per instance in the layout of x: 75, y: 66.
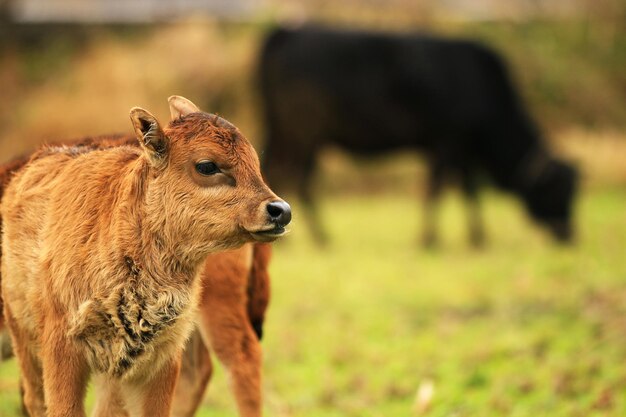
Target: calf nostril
x: 274, y: 210
x: 279, y: 212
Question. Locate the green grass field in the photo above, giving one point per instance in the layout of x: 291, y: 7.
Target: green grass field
x: 521, y: 328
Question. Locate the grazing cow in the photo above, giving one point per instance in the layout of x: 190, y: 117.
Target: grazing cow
x: 370, y: 93
x: 102, y: 248
x: 235, y: 295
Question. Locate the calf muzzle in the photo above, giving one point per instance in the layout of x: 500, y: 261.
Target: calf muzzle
x: 279, y: 212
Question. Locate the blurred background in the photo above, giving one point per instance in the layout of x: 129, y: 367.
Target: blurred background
x: 373, y: 324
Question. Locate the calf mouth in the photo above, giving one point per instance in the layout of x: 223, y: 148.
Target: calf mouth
x: 268, y: 235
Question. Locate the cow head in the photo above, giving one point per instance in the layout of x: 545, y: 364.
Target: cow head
x: 549, y: 196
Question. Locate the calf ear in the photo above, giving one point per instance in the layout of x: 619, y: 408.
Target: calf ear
x: 150, y: 135
x: 180, y: 106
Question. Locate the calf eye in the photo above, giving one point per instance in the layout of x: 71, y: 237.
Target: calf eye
x: 207, y: 168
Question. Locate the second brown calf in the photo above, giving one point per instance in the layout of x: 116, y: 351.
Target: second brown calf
x: 234, y: 297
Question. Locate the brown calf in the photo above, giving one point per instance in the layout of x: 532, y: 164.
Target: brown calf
x: 235, y: 291
x: 101, y: 249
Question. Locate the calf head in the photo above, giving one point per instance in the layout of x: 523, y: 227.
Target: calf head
x: 204, y: 189
x: 549, y: 197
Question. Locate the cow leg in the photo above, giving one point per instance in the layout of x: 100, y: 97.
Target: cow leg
x: 31, y: 383
x: 312, y: 214
x: 474, y: 218
x: 433, y: 193
x: 305, y: 194
x: 195, y: 374
x: 234, y: 342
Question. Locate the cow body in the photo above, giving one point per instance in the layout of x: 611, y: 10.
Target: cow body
x: 369, y: 93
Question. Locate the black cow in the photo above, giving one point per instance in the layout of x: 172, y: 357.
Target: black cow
x: 371, y: 92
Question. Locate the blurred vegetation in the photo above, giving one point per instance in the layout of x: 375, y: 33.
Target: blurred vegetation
x: 71, y: 80
x: 571, y: 71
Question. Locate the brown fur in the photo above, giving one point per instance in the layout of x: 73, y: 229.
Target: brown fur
x: 196, y: 366
x: 108, y: 266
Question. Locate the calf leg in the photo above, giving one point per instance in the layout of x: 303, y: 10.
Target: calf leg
x: 194, y: 377
x: 433, y: 193
x: 65, y: 372
x: 152, y: 397
x: 31, y: 383
x: 238, y: 349
x: 109, y: 399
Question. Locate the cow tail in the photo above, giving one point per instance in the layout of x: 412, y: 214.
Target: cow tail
x: 259, y: 286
